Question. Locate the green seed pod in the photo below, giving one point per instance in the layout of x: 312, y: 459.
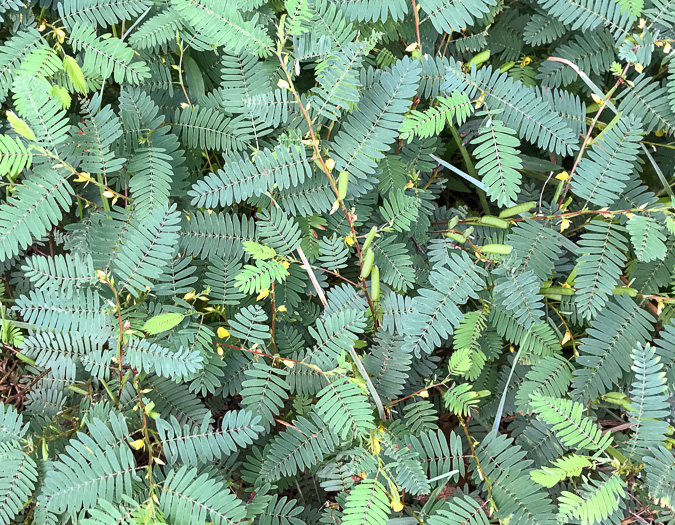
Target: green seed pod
x: 368, y: 259
x: 456, y: 237
x: 630, y: 292
x: 517, y: 210
x: 478, y: 59
x: 494, y: 222
x: 453, y: 222
x: 498, y: 249
x: 343, y: 182
x: 505, y: 67
x: 557, y: 290
x: 369, y: 238
x: 375, y: 283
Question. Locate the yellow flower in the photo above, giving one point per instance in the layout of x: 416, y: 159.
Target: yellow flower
x: 564, y: 224
x: 330, y: 164
x: 82, y: 177
x: 565, y: 285
x: 286, y: 264
x: 667, y: 48
x: 396, y: 504
x: 283, y: 84
x: 101, y: 276
x: 639, y: 68
x: 409, y: 185
x: 108, y: 194
x: 189, y: 296
x: 349, y: 240
x: 563, y: 175
x: 219, y: 350
x: 288, y: 363
x: 223, y: 333
x: 526, y: 61
x: 282, y: 308
x: 60, y: 35
x: 138, y: 444
x: 375, y: 445
x: 596, y: 98
x: 262, y: 294
x: 424, y: 394
x: 411, y: 47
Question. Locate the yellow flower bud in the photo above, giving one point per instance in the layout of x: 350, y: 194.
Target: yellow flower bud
x: 223, y: 333
x: 189, y: 296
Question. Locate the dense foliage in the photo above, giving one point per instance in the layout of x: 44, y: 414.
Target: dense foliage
x: 337, y: 261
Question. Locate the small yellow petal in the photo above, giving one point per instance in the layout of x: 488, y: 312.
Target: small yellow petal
x: 189, y: 296
x: 138, y: 444
x: 563, y: 175
x: 409, y: 185
x: 639, y: 68
x: 564, y: 224
x: 108, y: 194
x: 286, y: 264
x: 223, y: 333
x: 596, y: 98
x: 330, y: 164
x: 262, y: 294
x: 424, y: 394
x: 396, y: 505
x: 349, y: 241
x: 667, y: 48
x: 282, y: 308
x: 283, y: 84
x: 411, y: 47
x: 288, y: 363
x: 101, y: 276
x: 565, y: 285
x: 526, y: 61
x: 219, y: 350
